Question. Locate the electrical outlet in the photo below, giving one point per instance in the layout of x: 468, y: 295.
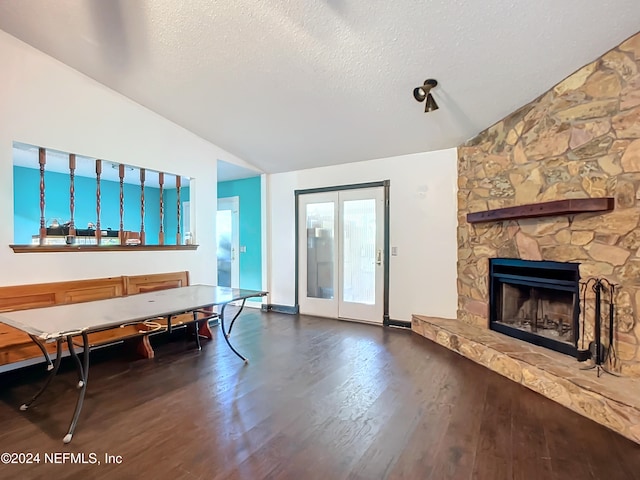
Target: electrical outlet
x: 243, y: 249
x: 394, y: 251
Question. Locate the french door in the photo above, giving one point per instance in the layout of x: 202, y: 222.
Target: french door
x: 341, y: 254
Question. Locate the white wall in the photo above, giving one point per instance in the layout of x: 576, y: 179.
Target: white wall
x: 422, y: 225
x: 44, y: 102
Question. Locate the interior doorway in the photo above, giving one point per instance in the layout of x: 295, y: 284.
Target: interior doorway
x: 228, y: 241
x: 342, y: 256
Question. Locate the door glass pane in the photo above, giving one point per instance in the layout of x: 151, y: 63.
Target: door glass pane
x: 359, y: 247
x: 223, y: 234
x: 320, y: 222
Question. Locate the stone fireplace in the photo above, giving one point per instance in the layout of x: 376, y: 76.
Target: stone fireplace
x: 579, y: 140
x: 535, y: 301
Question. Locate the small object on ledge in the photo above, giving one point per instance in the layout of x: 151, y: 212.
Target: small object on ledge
x: 58, y: 231
x: 544, y: 209
x: 131, y: 238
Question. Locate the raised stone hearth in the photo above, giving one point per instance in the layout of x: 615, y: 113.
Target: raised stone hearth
x: 611, y: 401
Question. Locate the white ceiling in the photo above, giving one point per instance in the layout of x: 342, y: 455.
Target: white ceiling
x: 291, y: 84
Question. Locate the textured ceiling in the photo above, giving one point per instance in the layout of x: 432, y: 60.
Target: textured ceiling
x: 290, y: 84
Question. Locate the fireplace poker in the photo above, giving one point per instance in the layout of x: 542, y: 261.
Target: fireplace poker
x: 585, y: 353
x: 611, y: 352
x: 597, y: 288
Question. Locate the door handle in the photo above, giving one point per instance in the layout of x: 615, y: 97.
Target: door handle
x: 379, y: 257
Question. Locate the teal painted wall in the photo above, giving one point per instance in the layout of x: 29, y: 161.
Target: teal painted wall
x: 26, y: 201
x: 249, y: 191
x: 171, y: 213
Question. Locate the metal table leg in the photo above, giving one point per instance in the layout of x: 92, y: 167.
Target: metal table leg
x: 226, y: 334
x: 83, y: 370
x: 52, y: 372
x: 236, y: 316
x: 72, y: 350
x: 196, y: 329
x: 44, y: 352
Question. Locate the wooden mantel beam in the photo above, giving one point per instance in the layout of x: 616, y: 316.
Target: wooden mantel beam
x: 569, y: 206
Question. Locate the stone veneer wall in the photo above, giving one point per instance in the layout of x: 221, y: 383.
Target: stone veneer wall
x: 581, y: 139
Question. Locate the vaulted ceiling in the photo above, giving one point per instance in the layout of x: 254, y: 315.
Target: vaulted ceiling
x: 291, y: 84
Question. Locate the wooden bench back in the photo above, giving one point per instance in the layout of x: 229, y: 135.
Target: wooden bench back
x: 16, y: 345
x: 157, y: 281
x: 21, y: 297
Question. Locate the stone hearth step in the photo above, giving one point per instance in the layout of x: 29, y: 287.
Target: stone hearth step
x: 611, y: 401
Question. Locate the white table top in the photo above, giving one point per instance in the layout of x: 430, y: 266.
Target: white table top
x: 49, y: 323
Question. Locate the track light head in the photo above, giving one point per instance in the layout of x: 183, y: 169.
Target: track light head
x: 424, y: 92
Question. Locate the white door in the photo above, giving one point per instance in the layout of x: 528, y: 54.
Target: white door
x: 361, y: 281
x: 341, y: 270
x: 317, y: 270
x: 228, y: 241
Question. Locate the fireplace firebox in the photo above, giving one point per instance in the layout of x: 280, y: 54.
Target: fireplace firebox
x: 536, y: 301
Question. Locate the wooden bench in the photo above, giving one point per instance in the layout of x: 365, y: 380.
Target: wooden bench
x: 16, y: 346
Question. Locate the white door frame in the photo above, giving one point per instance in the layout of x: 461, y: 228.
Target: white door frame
x: 385, y: 251
x: 233, y: 204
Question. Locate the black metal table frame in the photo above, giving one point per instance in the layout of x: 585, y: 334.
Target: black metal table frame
x: 82, y: 366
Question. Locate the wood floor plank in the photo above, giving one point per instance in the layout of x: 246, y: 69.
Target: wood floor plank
x: 567, y: 436
x: 531, y: 456
x: 454, y: 455
x: 320, y: 399
x: 494, y: 448
x: 397, y: 425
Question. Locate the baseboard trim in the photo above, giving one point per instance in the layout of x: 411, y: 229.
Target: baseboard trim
x: 288, y: 309
x: 398, y: 323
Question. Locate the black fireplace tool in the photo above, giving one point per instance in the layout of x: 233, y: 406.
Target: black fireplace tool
x: 584, y: 354
x: 599, y: 353
x: 612, y: 357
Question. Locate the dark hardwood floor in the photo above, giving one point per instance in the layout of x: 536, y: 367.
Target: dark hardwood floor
x: 321, y: 399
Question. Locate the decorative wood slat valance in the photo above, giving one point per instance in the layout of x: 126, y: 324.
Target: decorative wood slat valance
x: 72, y: 193
x: 42, y: 160
x: 58, y: 233
x: 98, y: 227
x: 570, y: 206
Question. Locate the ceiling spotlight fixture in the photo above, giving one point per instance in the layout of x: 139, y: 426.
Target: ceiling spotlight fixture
x: 420, y: 93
